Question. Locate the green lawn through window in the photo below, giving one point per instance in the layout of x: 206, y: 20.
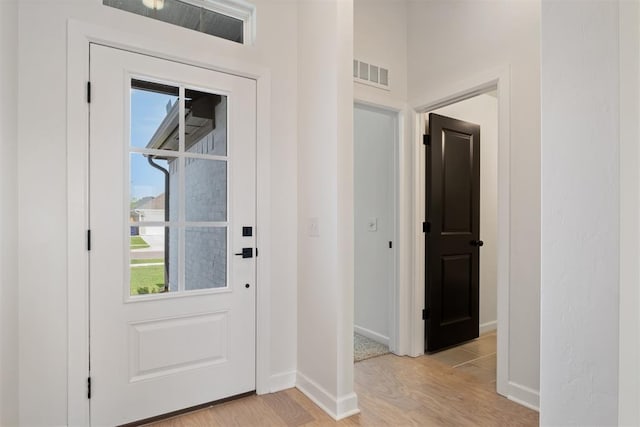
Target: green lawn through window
x: 147, y: 279
x: 138, y: 242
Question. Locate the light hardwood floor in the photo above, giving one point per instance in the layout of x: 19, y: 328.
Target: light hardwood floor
x: 455, y: 387
x: 476, y: 358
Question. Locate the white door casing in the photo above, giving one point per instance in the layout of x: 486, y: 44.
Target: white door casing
x: 153, y: 354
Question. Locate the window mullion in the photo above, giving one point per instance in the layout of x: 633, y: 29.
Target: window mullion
x: 181, y: 191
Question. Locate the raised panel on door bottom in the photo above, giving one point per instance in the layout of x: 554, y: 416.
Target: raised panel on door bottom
x: 166, y: 346
x: 456, y: 288
x: 457, y: 183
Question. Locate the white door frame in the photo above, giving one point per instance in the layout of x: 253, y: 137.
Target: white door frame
x: 429, y: 101
x: 404, y: 306
x: 394, y: 292
x: 79, y: 36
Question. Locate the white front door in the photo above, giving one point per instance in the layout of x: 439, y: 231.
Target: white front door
x: 172, y: 200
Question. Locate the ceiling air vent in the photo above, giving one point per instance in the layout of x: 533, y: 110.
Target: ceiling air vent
x: 369, y: 74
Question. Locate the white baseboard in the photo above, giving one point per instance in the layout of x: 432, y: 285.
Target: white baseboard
x: 337, y: 408
x: 524, y: 396
x: 488, y: 327
x: 371, y: 335
x: 282, y: 381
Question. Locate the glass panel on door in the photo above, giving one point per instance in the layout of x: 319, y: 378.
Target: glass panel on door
x: 154, y: 115
x: 178, y: 192
x: 152, y: 207
x: 205, y: 258
x: 206, y: 123
x: 206, y: 190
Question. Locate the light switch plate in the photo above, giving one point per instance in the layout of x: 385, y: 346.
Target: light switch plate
x: 372, y: 224
x: 313, y: 227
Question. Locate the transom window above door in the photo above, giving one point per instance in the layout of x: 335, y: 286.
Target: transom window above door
x: 178, y: 193
x: 228, y: 19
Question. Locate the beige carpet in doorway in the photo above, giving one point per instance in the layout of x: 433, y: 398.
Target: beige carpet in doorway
x: 366, y: 348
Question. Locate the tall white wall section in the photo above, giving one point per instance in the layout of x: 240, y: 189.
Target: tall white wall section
x: 8, y: 213
x: 386, y: 45
x: 629, y: 369
x: 382, y: 44
x: 580, y: 80
x: 325, y: 205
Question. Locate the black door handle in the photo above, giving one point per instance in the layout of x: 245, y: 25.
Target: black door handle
x: 246, y: 253
x: 476, y: 243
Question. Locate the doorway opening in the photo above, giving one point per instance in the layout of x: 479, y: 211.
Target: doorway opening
x: 497, y: 80
x: 375, y: 228
x: 461, y: 238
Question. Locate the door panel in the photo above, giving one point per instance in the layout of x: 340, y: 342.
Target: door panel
x: 452, y: 248
x: 456, y: 292
x: 457, y: 183
x: 172, y: 183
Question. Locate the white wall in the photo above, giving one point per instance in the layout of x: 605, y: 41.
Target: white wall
x: 580, y: 213
x: 483, y: 110
x: 375, y: 134
x: 325, y: 197
x: 42, y: 175
x: 8, y: 213
x: 629, y: 369
x: 380, y: 38
x: 449, y: 44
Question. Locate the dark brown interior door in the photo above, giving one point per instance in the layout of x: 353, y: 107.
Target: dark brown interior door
x: 453, y: 233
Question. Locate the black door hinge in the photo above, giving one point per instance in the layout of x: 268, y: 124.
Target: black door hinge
x: 89, y: 388
x: 390, y: 245
x: 256, y: 252
x: 89, y: 92
x: 426, y: 140
x: 426, y: 227
x: 425, y: 314
x: 88, y: 240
